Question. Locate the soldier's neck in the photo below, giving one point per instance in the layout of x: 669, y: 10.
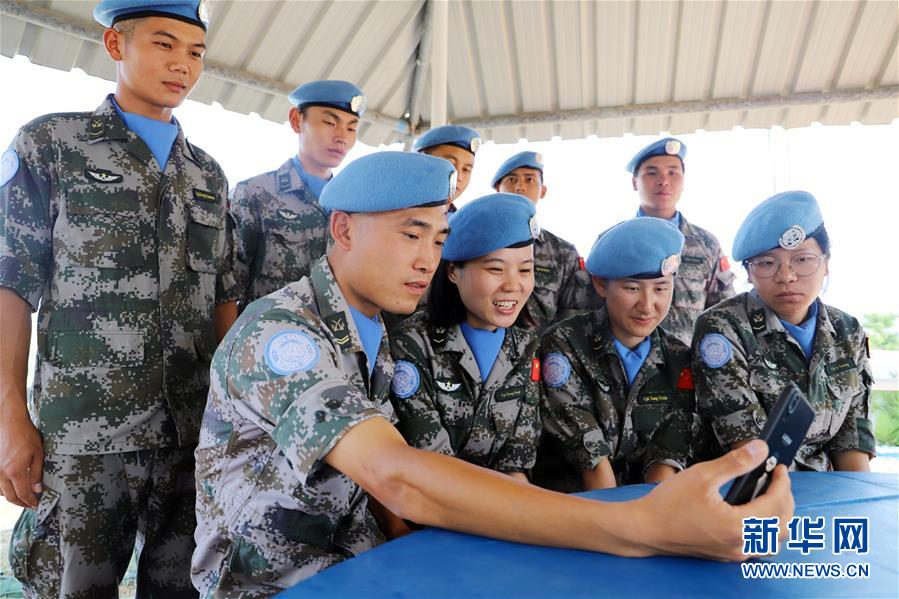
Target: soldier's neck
x: 313, y: 168
x: 130, y: 102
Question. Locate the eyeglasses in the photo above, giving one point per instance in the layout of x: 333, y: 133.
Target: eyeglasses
x: 801, y: 264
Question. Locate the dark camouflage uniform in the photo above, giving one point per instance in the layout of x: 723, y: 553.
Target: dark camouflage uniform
x: 561, y: 285
x: 270, y: 511
x: 737, y: 396
x: 593, y: 415
x: 280, y: 231
x: 492, y: 424
x: 126, y: 263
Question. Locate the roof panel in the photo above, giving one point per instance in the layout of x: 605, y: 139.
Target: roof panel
x: 615, y: 52
x: 656, y: 34
x: 863, y: 60
x: 568, y: 65
x: 695, y: 50
x: 532, y: 44
x: 780, y: 47
x: 740, y: 32
x: 881, y: 111
x: 827, y: 42
x: 492, y: 60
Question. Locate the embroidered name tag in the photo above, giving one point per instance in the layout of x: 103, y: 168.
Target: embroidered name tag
x: 839, y: 366
x: 508, y: 394
x: 201, y: 195
x: 692, y: 259
x: 653, y: 398
x: 543, y: 270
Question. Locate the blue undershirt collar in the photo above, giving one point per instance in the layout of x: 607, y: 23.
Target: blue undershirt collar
x: 674, y: 219
x: 311, y: 182
x: 158, y: 136
x: 804, y: 333
x: 371, y: 332
x: 632, y: 359
x: 485, y: 346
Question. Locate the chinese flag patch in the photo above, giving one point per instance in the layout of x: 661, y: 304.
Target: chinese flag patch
x: 581, y: 264
x: 724, y: 264
x: 535, y: 369
x: 685, y: 380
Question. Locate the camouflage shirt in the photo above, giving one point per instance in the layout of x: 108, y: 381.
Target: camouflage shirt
x: 493, y: 424
x: 703, y: 279
x: 590, y: 413
x: 757, y: 358
x: 561, y: 285
x: 126, y: 264
x: 280, y: 231
x: 288, y: 381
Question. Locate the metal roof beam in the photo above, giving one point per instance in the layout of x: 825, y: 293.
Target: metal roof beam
x: 422, y: 65
x: 687, y: 107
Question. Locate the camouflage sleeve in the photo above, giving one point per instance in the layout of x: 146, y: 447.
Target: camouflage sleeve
x: 245, y: 236
x: 519, y: 452
x: 226, y: 289
x: 413, y: 395
x: 26, y: 220
x: 721, y: 284
x: 576, y: 292
x: 857, y: 430
x: 568, y: 410
x: 285, y: 378
x: 721, y: 374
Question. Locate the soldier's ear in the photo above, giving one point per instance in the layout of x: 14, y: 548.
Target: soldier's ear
x: 634, y: 182
x: 542, y: 191
x: 296, y: 119
x: 339, y: 227
x: 452, y: 273
x: 601, y: 286
x: 112, y: 41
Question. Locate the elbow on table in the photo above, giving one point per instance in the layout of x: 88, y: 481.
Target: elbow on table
x: 393, y: 484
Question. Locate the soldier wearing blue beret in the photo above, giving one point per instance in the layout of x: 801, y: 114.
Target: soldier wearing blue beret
x: 463, y: 384
x: 298, y: 426
x: 619, y: 405
x: 749, y: 348
x: 113, y: 226
x: 704, y: 278
x: 455, y: 143
x: 280, y: 228
x: 562, y: 286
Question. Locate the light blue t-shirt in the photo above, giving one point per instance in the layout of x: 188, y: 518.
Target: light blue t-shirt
x: 632, y: 359
x: 312, y: 183
x: 485, y: 346
x: 158, y: 136
x: 674, y: 219
x: 804, y: 333
x: 371, y: 332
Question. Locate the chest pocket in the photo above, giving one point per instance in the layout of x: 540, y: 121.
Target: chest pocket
x: 456, y: 408
x: 841, y: 388
x: 203, y: 233
x: 293, y: 241
x: 649, y: 411
x: 504, y: 409
x: 690, y: 283
x: 101, y: 228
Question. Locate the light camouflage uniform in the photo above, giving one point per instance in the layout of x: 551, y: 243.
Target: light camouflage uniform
x: 561, y: 285
x: 280, y: 230
x: 126, y: 263
x: 703, y: 279
x: 493, y: 424
x: 737, y: 396
x: 270, y: 511
x: 593, y: 415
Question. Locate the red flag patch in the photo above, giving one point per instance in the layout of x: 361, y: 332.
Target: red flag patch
x: 581, y: 263
x: 724, y: 264
x: 535, y: 369
x: 685, y: 380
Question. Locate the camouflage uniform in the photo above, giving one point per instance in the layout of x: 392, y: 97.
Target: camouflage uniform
x: 126, y: 263
x: 703, y: 279
x: 280, y: 231
x: 593, y: 414
x: 270, y: 511
x: 737, y: 396
x: 492, y: 424
x: 561, y: 285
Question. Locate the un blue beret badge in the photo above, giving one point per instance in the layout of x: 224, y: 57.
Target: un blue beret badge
x: 670, y: 264
x: 475, y: 144
x: 9, y: 166
x: 792, y: 237
x: 203, y: 12
x: 538, y: 158
x: 454, y: 178
x: 715, y: 350
x: 405, y: 379
x: 358, y: 103
x: 534, y: 226
x: 556, y: 370
x: 672, y: 147
x: 291, y: 351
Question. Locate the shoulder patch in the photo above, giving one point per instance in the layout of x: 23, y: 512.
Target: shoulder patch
x: 291, y: 351
x: 405, y: 379
x: 556, y: 370
x: 9, y: 166
x: 715, y: 350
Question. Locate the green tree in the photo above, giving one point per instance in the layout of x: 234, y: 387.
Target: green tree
x: 881, y: 329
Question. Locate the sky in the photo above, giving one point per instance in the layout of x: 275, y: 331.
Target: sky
x: 852, y: 170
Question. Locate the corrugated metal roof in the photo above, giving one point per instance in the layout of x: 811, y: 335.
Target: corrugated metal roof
x: 533, y: 69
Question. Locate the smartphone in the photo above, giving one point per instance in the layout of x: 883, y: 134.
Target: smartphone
x: 784, y: 432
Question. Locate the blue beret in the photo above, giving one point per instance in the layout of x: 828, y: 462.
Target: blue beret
x: 783, y: 220
x: 663, y: 147
x: 110, y: 12
x: 490, y: 223
x: 341, y: 95
x: 520, y: 160
x: 386, y: 181
x: 453, y: 135
x: 636, y: 247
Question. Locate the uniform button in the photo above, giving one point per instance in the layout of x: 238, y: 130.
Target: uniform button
x: 333, y: 404
x: 320, y: 416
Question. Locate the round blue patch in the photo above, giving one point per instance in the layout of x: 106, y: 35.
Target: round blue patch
x: 715, y: 350
x: 556, y: 370
x: 9, y: 166
x: 291, y: 351
x: 405, y: 379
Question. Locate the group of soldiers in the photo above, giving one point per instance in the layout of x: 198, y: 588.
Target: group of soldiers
x: 215, y: 384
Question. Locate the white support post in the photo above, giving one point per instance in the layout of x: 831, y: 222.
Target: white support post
x: 439, y: 54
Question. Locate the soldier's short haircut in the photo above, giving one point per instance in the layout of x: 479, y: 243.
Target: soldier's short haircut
x: 126, y: 27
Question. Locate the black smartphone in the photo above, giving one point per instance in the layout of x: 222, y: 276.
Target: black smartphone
x: 784, y: 432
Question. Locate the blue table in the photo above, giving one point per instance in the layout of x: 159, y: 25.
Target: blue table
x: 438, y: 563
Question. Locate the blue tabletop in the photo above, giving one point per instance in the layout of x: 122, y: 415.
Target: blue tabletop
x: 439, y: 563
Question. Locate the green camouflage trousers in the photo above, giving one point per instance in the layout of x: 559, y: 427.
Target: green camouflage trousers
x: 94, y: 511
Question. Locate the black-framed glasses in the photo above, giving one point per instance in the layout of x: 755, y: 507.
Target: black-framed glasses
x: 802, y: 264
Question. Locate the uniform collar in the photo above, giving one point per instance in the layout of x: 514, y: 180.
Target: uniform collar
x: 333, y: 308
x: 288, y: 179
x: 603, y: 340
x: 451, y: 339
x: 763, y: 320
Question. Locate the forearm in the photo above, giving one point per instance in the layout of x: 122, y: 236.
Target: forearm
x: 15, y: 322
x: 852, y: 460
x: 600, y: 477
x: 224, y: 316
x: 659, y: 472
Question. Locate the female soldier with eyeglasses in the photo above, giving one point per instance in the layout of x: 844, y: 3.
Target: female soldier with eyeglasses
x: 748, y: 348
